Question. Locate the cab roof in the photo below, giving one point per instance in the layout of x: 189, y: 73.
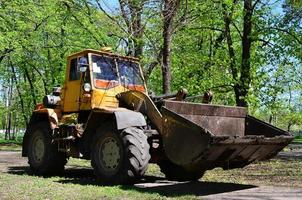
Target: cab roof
x: 100, y: 52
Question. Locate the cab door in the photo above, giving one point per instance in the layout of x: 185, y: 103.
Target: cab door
x: 72, y: 87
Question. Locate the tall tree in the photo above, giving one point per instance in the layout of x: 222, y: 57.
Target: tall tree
x: 169, y: 12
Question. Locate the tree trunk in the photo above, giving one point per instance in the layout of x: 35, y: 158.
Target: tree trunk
x: 9, y: 105
x: 227, y: 22
x: 3, y: 122
x: 242, y: 82
x: 270, y: 120
x: 136, y: 17
x: 14, y: 126
x: 242, y: 77
x: 19, y: 94
x: 245, y: 78
x: 169, y: 12
x: 289, y: 126
x: 32, y: 88
x: 4, y: 116
x: 131, y: 12
x: 4, y: 53
x: 8, y: 127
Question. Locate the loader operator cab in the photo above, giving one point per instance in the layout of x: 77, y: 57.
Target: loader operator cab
x: 95, y: 77
x: 110, y: 72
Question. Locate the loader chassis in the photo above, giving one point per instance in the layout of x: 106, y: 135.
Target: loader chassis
x: 103, y: 113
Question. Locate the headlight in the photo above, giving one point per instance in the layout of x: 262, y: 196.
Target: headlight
x: 87, y: 87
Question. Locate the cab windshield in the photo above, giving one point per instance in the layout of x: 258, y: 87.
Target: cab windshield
x: 129, y: 73
x: 109, y: 72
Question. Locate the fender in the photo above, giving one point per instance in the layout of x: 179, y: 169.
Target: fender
x: 129, y: 118
x: 45, y: 114
x: 124, y: 118
x: 121, y: 117
x: 51, y: 114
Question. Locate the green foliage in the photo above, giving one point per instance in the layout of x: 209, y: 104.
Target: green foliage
x: 37, y: 36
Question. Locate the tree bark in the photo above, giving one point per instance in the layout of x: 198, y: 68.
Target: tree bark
x: 32, y: 88
x: 270, y: 120
x: 19, y: 94
x: 245, y: 78
x: 9, y: 114
x: 227, y: 22
x: 14, y: 126
x: 169, y: 12
x: 289, y: 126
x: 137, y: 27
x: 242, y: 76
x: 131, y: 12
x: 4, y: 53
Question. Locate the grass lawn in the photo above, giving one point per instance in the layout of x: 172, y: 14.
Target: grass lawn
x: 32, y: 187
x: 10, y: 147
x: 78, y: 183
x: 298, y: 140
x: 74, y: 184
x: 18, y: 139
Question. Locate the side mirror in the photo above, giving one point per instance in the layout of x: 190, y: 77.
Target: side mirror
x: 83, y: 64
x: 82, y: 68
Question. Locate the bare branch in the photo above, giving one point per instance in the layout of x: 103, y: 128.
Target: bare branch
x: 4, y: 53
x: 255, y: 4
x: 110, y: 17
x: 207, y: 28
x: 237, y: 29
x: 83, y: 26
x: 289, y: 33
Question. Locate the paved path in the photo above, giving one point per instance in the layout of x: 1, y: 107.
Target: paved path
x: 223, y: 191
x: 262, y: 192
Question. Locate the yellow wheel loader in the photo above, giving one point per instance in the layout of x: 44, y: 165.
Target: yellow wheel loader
x: 103, y: 113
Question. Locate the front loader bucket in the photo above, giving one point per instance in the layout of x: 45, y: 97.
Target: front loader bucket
x: 209, y: 136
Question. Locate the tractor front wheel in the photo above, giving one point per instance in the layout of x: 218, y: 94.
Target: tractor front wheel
x: 119, y: 157
x: 43, y: 155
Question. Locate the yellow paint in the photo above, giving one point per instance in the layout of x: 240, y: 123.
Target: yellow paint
x: 75, y: 99
x: 71, y: 91
x: 70, y: 96
x: 106, y: 98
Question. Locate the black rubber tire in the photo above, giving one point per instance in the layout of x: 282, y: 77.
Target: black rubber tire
x: 133, y: 151
x: 52, y: 162
x: 175, y: 172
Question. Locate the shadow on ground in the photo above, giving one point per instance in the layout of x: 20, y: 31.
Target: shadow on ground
x: 196, y: 188
x: 149, y: 184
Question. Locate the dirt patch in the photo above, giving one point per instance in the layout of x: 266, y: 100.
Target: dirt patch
x: 263, y: 192
x: 294, y: 152
x: 11, y: 159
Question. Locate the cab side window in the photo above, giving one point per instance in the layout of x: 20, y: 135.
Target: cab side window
x: 74, y: 74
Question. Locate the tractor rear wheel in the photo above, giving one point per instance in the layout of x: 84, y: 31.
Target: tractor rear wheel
x: 175, y: 172
x: 43, y: 155
x: 119, y: 157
